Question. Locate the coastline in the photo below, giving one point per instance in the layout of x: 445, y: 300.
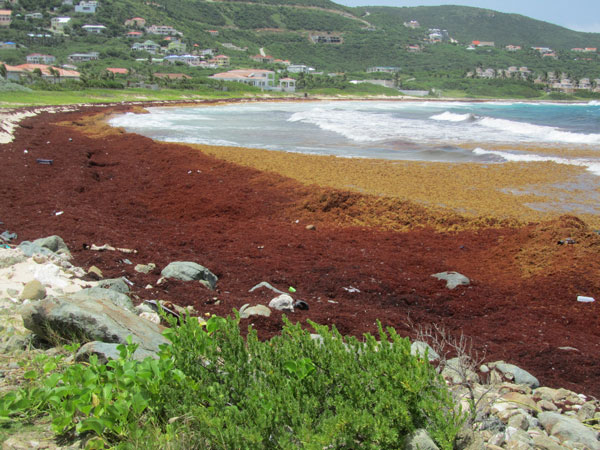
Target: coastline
x: 172, y: 202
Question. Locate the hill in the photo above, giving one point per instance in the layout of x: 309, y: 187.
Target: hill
x: 466, y: 24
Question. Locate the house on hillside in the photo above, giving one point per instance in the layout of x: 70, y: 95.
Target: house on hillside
x: 262, y: 59
x: 5, y: 17
x: 136, y: 22
x: 413, y: 48
x: 326, y: 38
x: 221, y: 60
x: 86, y: 7
x: 48, y: 73
x: 213, y: 32
x: 513, y: 48
x: 173, y: 76
x: 38, y: 58
x: 383, y: 69
x: 298, y: 68
x: 83, y: 57
x: 58, y: 24
x: 483, y: 44
x: 287, y: 84
x: 176, y: 46
x: 134, y: 34
x: 414, y: 24
x: 117, y: 70
x: 264, y: 79
x: 94, y: 29
x: 8, y: 45
x: 162, y: 30
x: 34, y: 16
x: 146, y: 46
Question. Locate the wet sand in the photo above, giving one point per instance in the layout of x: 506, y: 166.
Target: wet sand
x: 382, y: 228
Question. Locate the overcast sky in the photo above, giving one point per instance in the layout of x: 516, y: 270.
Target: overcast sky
x: 580, y: 15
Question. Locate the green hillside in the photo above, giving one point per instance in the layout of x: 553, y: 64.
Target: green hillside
x: 467, y: 24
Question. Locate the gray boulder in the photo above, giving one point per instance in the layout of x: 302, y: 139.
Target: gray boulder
x: 258, y: 310
x: 106, y: 351
x: 88, y: 319
x: 34, y: 290
x: 98, y: 293
x: 453, y: 279
x: 190, y: 271
x: 46, y: 246
x: 420, y: 440
x: 419, y: 348
x: 282, y: 302
x: 520, y: 376
x: 114, y: 284
x: 569, y: 429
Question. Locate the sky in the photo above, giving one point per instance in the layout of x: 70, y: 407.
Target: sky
x: 580, y: 15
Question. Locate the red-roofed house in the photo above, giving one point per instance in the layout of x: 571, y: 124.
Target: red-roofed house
x: 220, y: 60
x: 213, y: 32
x: 5, y: 17
x: 136, y: 22
x: 135, y: 34
x: 49, y: 73
x: 117, y: 70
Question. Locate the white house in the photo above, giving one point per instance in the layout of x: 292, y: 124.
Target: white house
x: 94, y: 29
x: 264, y: 79
x: 83, y: 57
x: 57, y: 24
x: 38, y: 58
x: 147, y: 46
x: 298, y: 68
x: 86, y: 7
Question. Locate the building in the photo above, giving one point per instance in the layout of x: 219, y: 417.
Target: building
x: 8, y: 45
x: 413, y: 48
x: 48, y: 73
x: 412, y: 24
x: 83, y: 57
x: 35, y: 15
x: 213, y: 32
x: 287, y: 84
x: 162, y: 30
x: 327, y: 38
x: 136, y: 22
x: 146, y: 46
x: 298, y: 68
x: 221, y: 60
x: 513, y: 48
x: 383, y: 69
x: 117, y: 70
x: 262, y: 59
x: 483, y: 44
x: 58, y: 24
x: 38, y: 58
x: 264, y: 79
x: 134, y: 34
x: 5, y: 17
x: 190, y: 60
x: 176, y: 46
x: 173, y: 76
x: 94, y: 29
x: 86, y: 7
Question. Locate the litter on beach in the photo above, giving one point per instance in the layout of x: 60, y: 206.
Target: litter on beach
x: 582, y: 299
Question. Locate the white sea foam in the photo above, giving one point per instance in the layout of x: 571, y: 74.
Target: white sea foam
x: 452, y: 117
x: 591, y: 165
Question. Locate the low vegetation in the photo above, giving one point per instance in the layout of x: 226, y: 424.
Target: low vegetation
x: 213, y: 388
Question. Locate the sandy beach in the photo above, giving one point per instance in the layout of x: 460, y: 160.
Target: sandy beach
x: 382, y: 228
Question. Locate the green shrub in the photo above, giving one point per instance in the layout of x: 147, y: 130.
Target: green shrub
x: 213, y: 388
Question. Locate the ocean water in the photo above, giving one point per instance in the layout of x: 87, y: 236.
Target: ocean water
x: 483, y: 132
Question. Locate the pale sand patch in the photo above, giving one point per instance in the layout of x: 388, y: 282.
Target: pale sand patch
x: 10, y: 118
x: 468, y: 188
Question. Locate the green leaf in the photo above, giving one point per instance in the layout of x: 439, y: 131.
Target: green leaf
x: 91, y: 424
x: 30, y: 375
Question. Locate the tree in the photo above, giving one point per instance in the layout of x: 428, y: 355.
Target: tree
x: 2, y: 71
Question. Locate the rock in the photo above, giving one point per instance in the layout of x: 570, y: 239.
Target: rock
x: 46, y: 246
x: 145, y: 268
x: 546, y: 405
x: 34, y: 290
x: 282, y: 303
x: 419, y: 348
x: 569, y: 429
x: 190, y: 271
x: 420, y: 440
x: 258, y: 310
x: 453, y: 279
x: 151, y: 316
x: 545, y: 443
x: 520, y: 376
x: 264, y: 284
x: 519, y: 400
x: 106, y: 351
x: 15, y: 342
x: 114, y: 284
x: 586, y: 411
x: 95, y: 271
x: 98, y: 293
x: 519, y: 421
x: 457, y: 372
x: 90, y: 319
x: 311, y: 227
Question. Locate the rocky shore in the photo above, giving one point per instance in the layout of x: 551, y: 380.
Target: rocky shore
x: 45, y: 298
